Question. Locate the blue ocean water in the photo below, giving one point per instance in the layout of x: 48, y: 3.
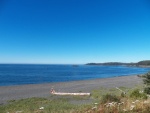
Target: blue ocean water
x: 17, y: 74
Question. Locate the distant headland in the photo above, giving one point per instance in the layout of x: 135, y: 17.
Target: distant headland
x: 144, y: 63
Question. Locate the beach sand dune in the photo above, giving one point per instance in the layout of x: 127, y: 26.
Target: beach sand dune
x: 43, y: 90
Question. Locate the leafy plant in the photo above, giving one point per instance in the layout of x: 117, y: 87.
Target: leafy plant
x: 110, y: 98
x: 137, y: 95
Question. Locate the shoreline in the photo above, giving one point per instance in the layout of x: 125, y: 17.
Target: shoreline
x: 67, y: 81
x: 43, y: 90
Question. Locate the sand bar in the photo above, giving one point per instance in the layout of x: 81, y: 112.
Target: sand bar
x: 43, y: 90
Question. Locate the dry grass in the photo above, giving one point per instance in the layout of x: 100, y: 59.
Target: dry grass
x: 111, y: 101
x: 126, y: 105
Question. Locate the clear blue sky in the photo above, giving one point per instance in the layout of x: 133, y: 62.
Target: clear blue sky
x: 74, y: 31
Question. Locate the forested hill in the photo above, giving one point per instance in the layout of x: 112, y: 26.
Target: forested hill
x: 140, y: 63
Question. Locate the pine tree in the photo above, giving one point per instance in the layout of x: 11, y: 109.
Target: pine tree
x: 146, y: 81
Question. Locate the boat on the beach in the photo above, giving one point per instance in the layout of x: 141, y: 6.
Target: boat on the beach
x: 63, y: 93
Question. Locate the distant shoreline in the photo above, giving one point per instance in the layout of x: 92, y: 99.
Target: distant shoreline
x: 43, y: 90
x: 144, y: 63
x: 142, y: 66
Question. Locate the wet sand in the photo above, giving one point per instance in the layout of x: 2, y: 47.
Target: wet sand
x: 43, y: 90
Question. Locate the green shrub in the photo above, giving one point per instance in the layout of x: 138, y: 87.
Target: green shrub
x: 147, y: 90
x: 123, y: 94
x: 109, y: 98
x: 137, y: 95
x: 146, y: 79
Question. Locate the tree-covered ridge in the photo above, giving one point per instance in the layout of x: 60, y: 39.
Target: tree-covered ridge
x: 140, y: 63
x: 145, y: 62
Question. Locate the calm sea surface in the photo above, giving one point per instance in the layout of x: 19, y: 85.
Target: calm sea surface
x: 17, y: 74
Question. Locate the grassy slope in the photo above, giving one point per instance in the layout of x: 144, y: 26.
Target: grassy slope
x: 59, y: 104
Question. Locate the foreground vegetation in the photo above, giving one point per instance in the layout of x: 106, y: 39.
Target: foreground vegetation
x: 133, y: 102
x: 102, y: 100
x: 41, y: 105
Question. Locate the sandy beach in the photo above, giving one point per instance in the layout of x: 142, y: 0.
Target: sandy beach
x: 43, y: 90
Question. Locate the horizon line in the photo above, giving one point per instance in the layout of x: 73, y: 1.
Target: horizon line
x: 70, y: 63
